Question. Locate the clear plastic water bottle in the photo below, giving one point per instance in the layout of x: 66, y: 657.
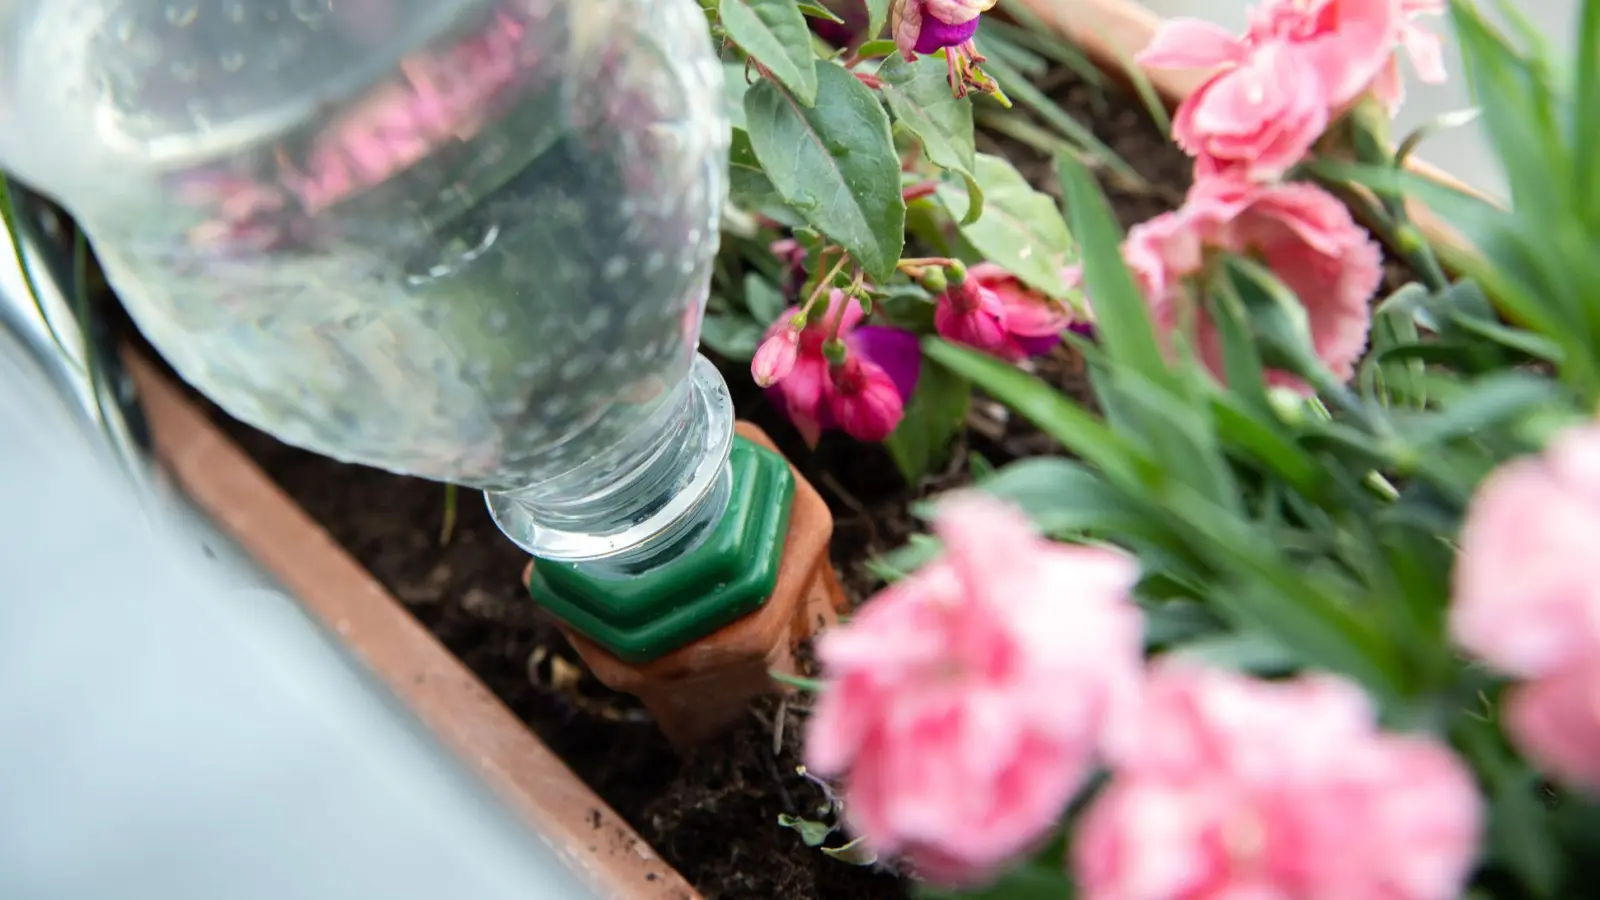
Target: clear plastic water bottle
x: 468, y: 240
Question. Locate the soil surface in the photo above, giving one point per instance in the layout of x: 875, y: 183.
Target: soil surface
x: 713, y: 817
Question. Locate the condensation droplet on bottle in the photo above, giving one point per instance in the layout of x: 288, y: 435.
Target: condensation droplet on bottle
x: 184, y: 13
x: 497, y: 320
x: 616, y: 267
x: 236, y: 11
x: 311, y: 12
x: 124, y: 31
x: 231, y: 62
x: 655, y: 262
x: 185, y: 69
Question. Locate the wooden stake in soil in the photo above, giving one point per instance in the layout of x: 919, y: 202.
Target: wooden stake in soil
x: 698, y: 690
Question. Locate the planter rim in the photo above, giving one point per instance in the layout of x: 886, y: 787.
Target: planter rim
x: 1112, y: 32
x: 246, y: 504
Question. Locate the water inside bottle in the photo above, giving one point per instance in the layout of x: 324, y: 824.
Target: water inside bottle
x: 463, y: 240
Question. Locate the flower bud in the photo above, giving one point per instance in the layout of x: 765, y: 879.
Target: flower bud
x: 775, y: 358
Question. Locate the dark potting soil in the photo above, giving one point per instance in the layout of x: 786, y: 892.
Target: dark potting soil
x: 713, y: 816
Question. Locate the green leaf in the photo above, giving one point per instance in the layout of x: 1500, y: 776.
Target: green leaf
x: 920, y: 98
x: 748, y: 184
x: 813, y: 833
x: 1521, y: 835
x: 775, y: 34
x: 1057, y: 416
x: 733, y: 337
x: 1490, y: 401
x: 1031, y: 882
x: 835, y: 164
x: 1122, y: 318
x: 936, y: 414
x: 919, y: 550
x: 1249, y: 651
x: 763, y: 299
x: 856, y: 853
x: 820, y: 12
x: 1062, y: 497
x: 734, y: 87
x: 877, y: 17
x: 1020, y: 228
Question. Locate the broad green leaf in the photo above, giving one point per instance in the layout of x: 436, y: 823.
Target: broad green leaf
x: 1122, y: 319
x: 1020, y: 228
x: 775, y: 34
x: 1075, y: 427
x: 763, y: 299
x: 835, y: 164
x: 816, y: 11
x: 748, y: 185
x: 920, y: 98
x: 733, y: 337
x: 936, y: 414
x: 734, y: 87
x: 877, y: 16
x: 919, y: 550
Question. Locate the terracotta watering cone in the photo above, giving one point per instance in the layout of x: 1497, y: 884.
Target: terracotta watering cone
x: 699, y: 689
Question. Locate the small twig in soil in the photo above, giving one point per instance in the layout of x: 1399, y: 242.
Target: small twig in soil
x: 856, y: 506
x: 778, y: 721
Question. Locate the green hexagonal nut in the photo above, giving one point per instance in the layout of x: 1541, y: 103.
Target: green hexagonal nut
x: 728, y: 576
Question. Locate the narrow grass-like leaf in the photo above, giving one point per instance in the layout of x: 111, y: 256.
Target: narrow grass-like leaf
x: 1121, y: 315
x: 1075, y: 427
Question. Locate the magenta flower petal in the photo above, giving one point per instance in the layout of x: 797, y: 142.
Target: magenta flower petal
x: 937, y: 35
x: 897, y: 352
x: 1037, y: 346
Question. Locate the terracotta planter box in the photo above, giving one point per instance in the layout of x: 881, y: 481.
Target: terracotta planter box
x: 289, y: 544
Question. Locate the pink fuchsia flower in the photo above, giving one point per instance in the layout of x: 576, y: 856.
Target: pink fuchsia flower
x: 1257, y: 120
x: 966, y: 703
x: 810, y: 393
x: 993, y: 311
x: 1228, y: 786
x: 1305, y: 235
x: 865, y: 401
x: 928, y: 26
x: 1525, y: 601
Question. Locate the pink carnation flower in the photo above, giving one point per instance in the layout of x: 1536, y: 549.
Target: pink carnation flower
x: 1299, y: 64
x: 1258, y: 119
x: 1227, y: 786
x: 1526, y: 600
x: 1305, y: 235
x: 966, y: 702
x: 992, y: 311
